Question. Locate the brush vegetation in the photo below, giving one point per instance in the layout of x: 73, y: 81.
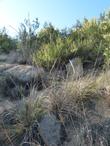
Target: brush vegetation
x: 78, y: 103
x: 89, y: 39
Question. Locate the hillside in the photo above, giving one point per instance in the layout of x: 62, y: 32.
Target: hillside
x: 55, y: 85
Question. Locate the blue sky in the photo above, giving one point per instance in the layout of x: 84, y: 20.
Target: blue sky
x: 61, y: 13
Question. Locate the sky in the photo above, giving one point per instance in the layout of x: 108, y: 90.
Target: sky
x: 61, y: 13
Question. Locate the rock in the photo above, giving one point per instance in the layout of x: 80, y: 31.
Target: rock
x: 49, y: 129
x: 24, y: 73
x: 16, y: 80
x: 74, y: 68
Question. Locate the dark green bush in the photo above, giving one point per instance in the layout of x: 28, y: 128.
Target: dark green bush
x: 92, y: 39
x: 6, y: 42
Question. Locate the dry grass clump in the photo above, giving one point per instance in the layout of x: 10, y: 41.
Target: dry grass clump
x: 68, y: 94
x: 17, y: 125
x: 74, y: 91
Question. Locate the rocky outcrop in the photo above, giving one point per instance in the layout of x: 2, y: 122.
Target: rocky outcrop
x: 17, y: 79
x: 23, y: 73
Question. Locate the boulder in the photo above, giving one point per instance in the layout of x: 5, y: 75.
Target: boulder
x: 49, y: 129
x: 16, y: 80
x: 74, y: 68
x: 24, y: 73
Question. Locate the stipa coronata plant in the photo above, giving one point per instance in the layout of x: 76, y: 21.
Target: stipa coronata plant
x: 21, y: 125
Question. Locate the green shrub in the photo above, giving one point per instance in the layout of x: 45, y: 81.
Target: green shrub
x: 91, y: 40
x: 6, y: 43
x: 53, y: 53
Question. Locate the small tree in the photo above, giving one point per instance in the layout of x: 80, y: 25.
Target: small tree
x: 28, y: 38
